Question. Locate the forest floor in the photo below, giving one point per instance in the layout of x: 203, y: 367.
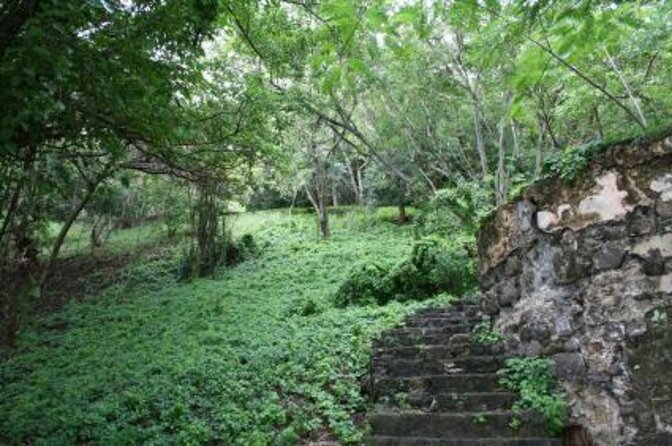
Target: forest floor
x: 257, y: 355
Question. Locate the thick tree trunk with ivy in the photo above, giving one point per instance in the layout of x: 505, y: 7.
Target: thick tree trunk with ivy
x: 210, y: 240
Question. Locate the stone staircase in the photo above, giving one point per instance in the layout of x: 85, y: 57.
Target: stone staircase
x: 434, y: 386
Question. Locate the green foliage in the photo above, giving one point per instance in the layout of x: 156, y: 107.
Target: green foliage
x: 658, y: 317
x: 483, y: 333
x: 454, y: 209
x: 240, y: 359
x: 535, y: 382
x: 434, y: 266
x: 571, y: 162
x: 366, y: 284
x: 515, y: 423
x: 479, y: 419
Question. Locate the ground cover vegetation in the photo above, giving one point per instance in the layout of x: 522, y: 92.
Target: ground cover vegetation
x: 133, y: 133
x: 257, y: 355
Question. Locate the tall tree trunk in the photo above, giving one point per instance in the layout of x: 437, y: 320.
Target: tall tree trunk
x: 539, y: 155
x: 402, y: 216
x: 323, y: 219
x: 501, y: 178
x: 480, y: 144
x: 334, y: 193
x: 60, y: 238
x: 401, y: 205
x: 514, y: 136
x: 626, y: 85
x: 598, y: 123
x: 16, y: 194
x: 208, y: 237
x: 323, y: 216
x: 360, y: 187
x: 428, y: 180
x: 317, y: 200
x: 354, y: 171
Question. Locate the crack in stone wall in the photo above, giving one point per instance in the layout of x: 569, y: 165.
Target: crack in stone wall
x: 582, y: 272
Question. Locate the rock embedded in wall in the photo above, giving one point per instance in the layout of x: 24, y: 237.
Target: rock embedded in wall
x: 575, y: 271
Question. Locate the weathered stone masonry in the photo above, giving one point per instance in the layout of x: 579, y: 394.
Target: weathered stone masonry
x: 582, y: 272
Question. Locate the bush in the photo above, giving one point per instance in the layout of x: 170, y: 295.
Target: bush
x: 455, y: 209
x: 435, y: 266
x: 535, y: 382
x: 366, y: 284
x: 232, y: 253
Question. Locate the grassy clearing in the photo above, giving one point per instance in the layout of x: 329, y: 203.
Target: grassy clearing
x: 78, y: 242
x: 257, y: 356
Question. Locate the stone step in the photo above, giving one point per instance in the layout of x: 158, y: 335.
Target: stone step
x: 390, y: 366
x: 428, y: 331
x: 401, y: 339
x: 471, y: 310
x: 458, y: 425
x: 461, y: 402
x: 425, y: 441
x: 438, y: 384
x: 444, y: 321
x: 440, y: 351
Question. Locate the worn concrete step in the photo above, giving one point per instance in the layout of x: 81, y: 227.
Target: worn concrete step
x: 444, y: 321
x: 424, y: 441
x: 440, y: 351
x: 438, y: 384
x: 458, y: 425
x: 455, y: 402
x: 391, y: 366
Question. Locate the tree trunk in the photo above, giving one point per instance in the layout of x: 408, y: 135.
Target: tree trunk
x: 334, y: 193
x: 322, y: 213
x: 480, y: 145
x: 501, y: 173
x: 317, y: 200
x: 539, y: 155
x: 402, y: 216
x: 60, y: 238
x: 516, y: 145
x: 208, y: 237
x: 360, y: 187
x: 401, y: 206
x: 323, y: 219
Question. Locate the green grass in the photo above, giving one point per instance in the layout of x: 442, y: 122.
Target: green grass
x: 77, y: 241
x: 232, y: 360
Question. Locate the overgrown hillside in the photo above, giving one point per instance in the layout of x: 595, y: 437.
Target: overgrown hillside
x: 257, y: 355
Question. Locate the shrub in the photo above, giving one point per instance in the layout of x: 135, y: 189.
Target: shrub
x: 232, y: 253
x: 248, y: 245
x: 535, y: 382
x: 406, y: 282
x: 442, y: 266
x: 453, y: 210
x: 366, y: 284
x: 434, y: 266
x: 304, y: 307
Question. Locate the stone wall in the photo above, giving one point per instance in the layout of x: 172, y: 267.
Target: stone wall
x: 582, y: 272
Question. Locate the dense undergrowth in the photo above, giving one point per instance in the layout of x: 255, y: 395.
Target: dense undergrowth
x: 258, y: 355
x: 435, y: 265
